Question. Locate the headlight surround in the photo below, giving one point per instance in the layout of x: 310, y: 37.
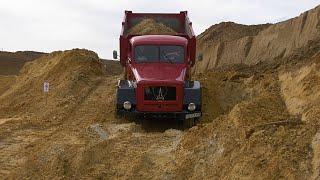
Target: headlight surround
x: 127, y: 105
x: 191, y: 107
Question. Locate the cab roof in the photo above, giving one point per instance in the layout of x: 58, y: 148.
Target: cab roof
x: 159, y: 39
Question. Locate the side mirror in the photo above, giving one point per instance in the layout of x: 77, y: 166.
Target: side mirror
x: 115, y: 54
x: 200, y: 57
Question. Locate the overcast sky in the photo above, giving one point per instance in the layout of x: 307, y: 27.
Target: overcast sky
x: 49, y: 25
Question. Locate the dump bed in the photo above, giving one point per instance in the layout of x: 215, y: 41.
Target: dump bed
x: 180, y: 23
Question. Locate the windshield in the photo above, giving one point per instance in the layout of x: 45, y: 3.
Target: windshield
x: 163, y: 53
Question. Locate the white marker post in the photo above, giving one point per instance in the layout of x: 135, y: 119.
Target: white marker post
x: 46, y: 90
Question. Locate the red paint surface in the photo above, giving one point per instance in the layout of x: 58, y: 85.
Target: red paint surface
x: 158, y: 74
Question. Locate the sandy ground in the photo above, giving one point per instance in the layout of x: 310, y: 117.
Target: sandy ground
x: 6, y: 82
x: 261, y: 116
x: 255, y: 125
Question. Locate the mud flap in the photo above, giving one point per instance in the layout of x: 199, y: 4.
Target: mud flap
x: 189, y: 123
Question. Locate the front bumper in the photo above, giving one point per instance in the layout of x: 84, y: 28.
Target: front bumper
x: 160, y: 115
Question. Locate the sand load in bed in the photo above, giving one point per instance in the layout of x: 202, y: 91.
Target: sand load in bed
x: 151, y: 27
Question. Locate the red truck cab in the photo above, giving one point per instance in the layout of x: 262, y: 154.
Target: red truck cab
x: 157, y: 81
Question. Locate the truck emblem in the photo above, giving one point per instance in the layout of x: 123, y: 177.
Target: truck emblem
x: 160, y: 95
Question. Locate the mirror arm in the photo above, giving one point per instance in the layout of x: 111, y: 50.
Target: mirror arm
x: 129, y: 60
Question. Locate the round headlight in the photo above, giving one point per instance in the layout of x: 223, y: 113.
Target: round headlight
x: 192, y: 107
x: 127, y: 105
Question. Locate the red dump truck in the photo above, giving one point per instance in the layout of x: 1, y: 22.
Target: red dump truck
x: 157, y: 81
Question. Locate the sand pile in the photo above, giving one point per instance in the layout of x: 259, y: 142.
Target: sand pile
x: 6, y: 82
x: 272, y: 131
x: 11, y: 63
x: 150, y: 27
x: 71, y: 74
x: 247, y: 122
x: 301, y: 88
x: 112, y: 67
x: 227, y: 44
x: 227, y: 32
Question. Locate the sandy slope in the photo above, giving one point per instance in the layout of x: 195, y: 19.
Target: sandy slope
x: 11, y: 63
x: 230, y: 43
x: 252, y: 126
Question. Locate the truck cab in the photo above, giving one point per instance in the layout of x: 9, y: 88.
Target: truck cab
x: 157, y: 81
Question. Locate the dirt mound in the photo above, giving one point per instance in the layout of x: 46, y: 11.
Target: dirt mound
x: 301, y: 88
x: 227, y: 44
x: 150, y: 27
x: 253, y: 128
x: 228, y: 31
x: 11, y: 63
x: 248, y: 122
x: 6, y: 82
x: 112, y: 67
x: 301, y: 91
x: 260, y: 132
x: 71, y: 75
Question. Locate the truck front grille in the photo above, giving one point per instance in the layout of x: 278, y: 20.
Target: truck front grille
x: 160, y: 93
